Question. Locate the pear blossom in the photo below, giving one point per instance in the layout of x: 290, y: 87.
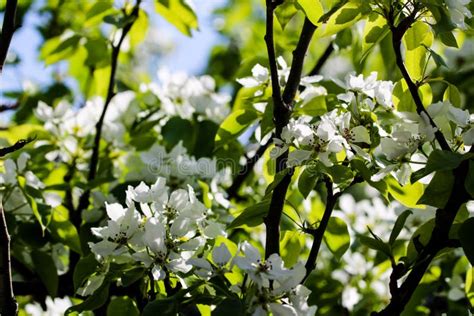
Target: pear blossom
x: 458, y: 9
x: 121, y: 229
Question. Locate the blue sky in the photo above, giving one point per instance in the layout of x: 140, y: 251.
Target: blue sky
x: 190, y: 54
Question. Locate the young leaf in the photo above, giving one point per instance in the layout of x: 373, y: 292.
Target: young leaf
x: 251, y: 216
x: 337, y: 237
x: 438, y: 191
x: 122, y: 306
x: 308, y: 179
x: 178, y: 13
x: 312, y: 9
x: 399, y: 224
x: 46, y: 269
x: 465, y: 237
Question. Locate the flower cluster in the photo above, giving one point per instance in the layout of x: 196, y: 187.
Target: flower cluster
x: 365, y: 124
x: 185, y: 96
x: 157, y: 229
x: 277, y: 289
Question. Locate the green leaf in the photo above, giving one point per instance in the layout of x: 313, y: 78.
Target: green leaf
x: 122, y: 306
x: 403, y: 101
x: 276, y: 180
x: 179, y: 14
x: 375, y: 30
x: 376, y: 244
x: 308, y: 179
x: 162, y: 307
x: 312, y: 9
x: 46, y: 270
x: 437, y: 58
x: 85, y: 267
x: 139, y: 29
x: 418, y: 35
x: 315, y: 107
x: 416, y: 39
x: 344, y: 38
x: 439, y: 190
x: 345, y: 16
x: 252, y: 215
x: 452, y: 95
x: 439, y: 160
x: 59, y: 48
x: 229, y: 306
x: 234, y: 125
x: 63, y: 230
x: 337, y: 237
x: 408, y: 195
x: 465, y: 237
x: 98, y: 55
x: 469, y: 287
x: 291, y: 246
x: 469, y: 182
x: 131, y: 276
x: 399, y: 224
x: 340, y: 174
x: 422, y: 235
x: 178, y: 130
x: 448, y: 39
x: 97, y: 12
x: 93, y: 302
x: 285, y: 12
x: 42, y: 212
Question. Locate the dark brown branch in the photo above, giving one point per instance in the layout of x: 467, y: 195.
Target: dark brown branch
x: 250, y: 163
x: 8, y: 29
x: 9, y: 107
x: 281, y: 115
x: 299, y: 55
x: 84, y: 199
x: 318, y: 233
x: 8, y: 304
x: 397, y: 35
x: 439, y: 239
x: 17, y: 146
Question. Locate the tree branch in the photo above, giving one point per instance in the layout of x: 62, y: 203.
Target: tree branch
x: 439, y: 239
x: 17, y: 146
x: 84, y: 199
x: 8, y: 304
x: 318, y: 233
x: 397, y: 35
x: 250, y: 163
x: 296, y: 70
x: 8, y: 29
x: 281, y: 116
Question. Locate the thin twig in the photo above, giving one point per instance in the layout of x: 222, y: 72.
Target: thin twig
x: 8, y: 304
x: 84, y: 199
x: 318, y: 233
x: 397, y: 35
x: 17, y: 146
